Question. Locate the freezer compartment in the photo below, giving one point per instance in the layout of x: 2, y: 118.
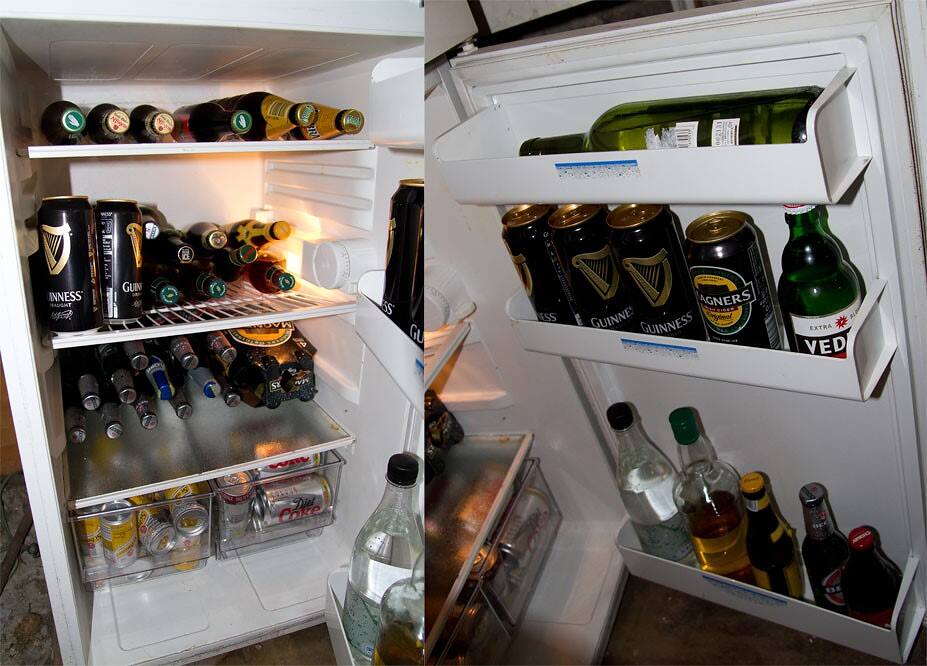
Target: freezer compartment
x: 892, y: 644
x: 870, y: 347
x: 145, y: 536
x: 274, y: 508
x: 476, y: 633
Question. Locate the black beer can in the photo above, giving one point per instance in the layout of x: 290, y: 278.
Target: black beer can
x: 646, y: 239
x: 406, y: 229
x: 729, y: 277
x: 66, y: 233
x: 119, y: 244
x: 581, y: 237
x: 416, y: 308
x: 527, y: 236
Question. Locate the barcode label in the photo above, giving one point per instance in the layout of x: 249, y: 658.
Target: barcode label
x: 687, y: 134
x: 725, y: 132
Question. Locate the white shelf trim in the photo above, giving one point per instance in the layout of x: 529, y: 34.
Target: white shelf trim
x: 440, y: 347
x: 205, y: 148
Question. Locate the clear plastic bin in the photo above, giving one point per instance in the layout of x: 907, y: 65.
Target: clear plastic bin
x: 275, y: 504
x: 476, y: 633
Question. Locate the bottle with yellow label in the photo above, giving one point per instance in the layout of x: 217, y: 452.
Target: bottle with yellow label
x: 271, y: 116
x: 770, y: 543
x: 253, y: 232
x: 331, y: 122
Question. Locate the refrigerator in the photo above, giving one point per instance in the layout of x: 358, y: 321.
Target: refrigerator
x: 361, y: 55
x: 857, y: 425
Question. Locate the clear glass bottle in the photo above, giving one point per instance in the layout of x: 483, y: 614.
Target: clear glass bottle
x: 645, y: 479
x: 402, y: 620
x: 384, y: 552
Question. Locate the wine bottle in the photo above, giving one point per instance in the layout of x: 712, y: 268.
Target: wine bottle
x: 210, y: 122
x: 272, y: 116
x: 148, y: 124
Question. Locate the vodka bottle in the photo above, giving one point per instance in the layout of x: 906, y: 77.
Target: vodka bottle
x: 384, y: 552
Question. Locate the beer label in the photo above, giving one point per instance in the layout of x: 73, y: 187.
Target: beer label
x: 263, y: 335
x: 825, y: 335
x: 56, y: 241
x: 653, y: 276
x: 135, y: 232
x: 725, y: 132
x: 756, y: 504
x: 275, y: 110
x: 390, y: 239
x: 600, y: 271
x: 725, y: 297
x: 117, y: 122
x: 521, y: 267
x: 669, y: 539
x: 832, y: 587
x: 324, y: 126
x: 162, y: 123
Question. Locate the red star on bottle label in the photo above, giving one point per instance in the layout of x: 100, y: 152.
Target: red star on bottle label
x: 842, y: 321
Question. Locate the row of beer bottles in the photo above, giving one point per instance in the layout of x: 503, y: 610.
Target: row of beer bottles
x: 710, y: 516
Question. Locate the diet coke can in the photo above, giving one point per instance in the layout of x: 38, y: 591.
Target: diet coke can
x: 283, y: 501
x: 287, y: 466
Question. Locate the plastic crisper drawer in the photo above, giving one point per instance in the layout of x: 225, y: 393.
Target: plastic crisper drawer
x: 476, y: 632
x: 272, y: 506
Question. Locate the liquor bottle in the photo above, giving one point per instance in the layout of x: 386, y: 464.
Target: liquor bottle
x: 145, y: 402
x: 870, y: 581
x: 75, y: 424
x: 181, y: 350
x: 271, y: 116
x: 257, y: 233
x: 210, y: 122
x: 268, y: 274
x: 824, y: 549
x: 135, y: 352
x: 330, y: 123
x: 708, y: 494
x: 646, y: 479
x: 207, y: 236
x: 79, y: 375
x: 156, y: 372
x: 204, y: 379
x: 227, y: 263
x: 766, y: 116
x: 63, y: 123
x: 115, y: 366
x: 162, y: 291
x: 818, y: 291
x: 107, y: 123
x: 385, y: 550
x: 401, y: 639
x: 109, y: 413
x: 150, y: 125
x: 770, y: 546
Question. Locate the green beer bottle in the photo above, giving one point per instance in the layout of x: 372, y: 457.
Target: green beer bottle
x: 818, y: 291
x: 767, y: 116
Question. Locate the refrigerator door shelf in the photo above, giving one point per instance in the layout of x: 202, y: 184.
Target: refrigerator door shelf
x: 118, y: 150
x: 334, y: 608
x: 892, y: 644
x: 395, y: 350
x: 441, y: 346
x: 870, y: 348
x: 394, y: 121
x: 478, y: 160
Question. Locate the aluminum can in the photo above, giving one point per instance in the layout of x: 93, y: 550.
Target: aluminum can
x: 729, y: 275
x: 286, y: 500
x: 68, y: 240
x: 406, y: 227
x: 156, y: 534
x: 519, y: 540
x: 236, y: 491
x: 287, y: 466
x: 120, y: 534
x: 119, y: 242
x: 90, y: 534
x: 190, y: 518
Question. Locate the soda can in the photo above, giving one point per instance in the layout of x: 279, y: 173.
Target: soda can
x: 155, y: 534
x: 529, y: 517
x: 119, y: 242
x: 90, y: 534
x: 68, y: 240
x: 286, y: 500
x: 236, y: 491
x: 287, y: 466
x: 119, y: 534
x: 190, y: 518
x: 406, y: 226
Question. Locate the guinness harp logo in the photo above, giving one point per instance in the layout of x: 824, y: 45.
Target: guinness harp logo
x: 391, y: 234
x: 524, y: 272
x: 600, y: 269
x: 650, y: 274
x: 134, y: 232
x: 56, y: 241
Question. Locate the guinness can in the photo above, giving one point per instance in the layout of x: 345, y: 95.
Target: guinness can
x: 406, y: 226
x: 66, y: 235
x: 581, y: 238
x: 646, y: 241
x: 527, y: 236
x: 119, y: 240
x: 729, y: 277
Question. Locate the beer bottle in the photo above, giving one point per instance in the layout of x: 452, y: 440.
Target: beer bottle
x: 218, y: 344
x: 329, y: 124
x: 168, y: 248
x: 75, y: 424
x: 271, y: 116
x: 818, y: 291
x: 77, y: 367
x: 871, y: 581
x: 207, y: 236
x: 145, y: 402
x: 824, y: 549
x: 210, y: 122
x: 708, y: 495
x: 204, y: 379
x: 135, y: 352
x: 109, y: 412
x: 107, y: 123
x: 150, y: 125
x: 182, y: 407
x: 115, y: 365
x: 151, y: 218
x: 762, y: 117
x: 217, y: 363
x: 268, y: 274
x: 181, y: 350
x: 773, y: 555
x: 162, y: 291
x: 63, y: 123
x: 227, y: 263
x: 160, y: 381
x: 199, y: 283
x: 257, y: 233
x: 442, y: 429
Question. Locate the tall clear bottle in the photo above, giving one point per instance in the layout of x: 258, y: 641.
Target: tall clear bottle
x: 645, y: 479
x: 402, y: 621
x: 384, y: 552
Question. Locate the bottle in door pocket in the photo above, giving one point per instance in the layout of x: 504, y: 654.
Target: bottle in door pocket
x: 272, y: 117
x: 870, y: 581
x: 825, y: 549
x: 148, y: 124
x: 63, y: 123
x: 119, y: 246
x: 330, y: 123
x: 210, y: 122
x: 404, y: 237
x: 401, y: 639
x: 107, y: 123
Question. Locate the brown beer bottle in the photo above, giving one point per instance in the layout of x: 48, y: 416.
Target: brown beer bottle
x: 257, y: 233
x: 63, y: 123
x: 107, y: 123
x: 330, y: 123
x: 150, y: 125
x: 871, y: 581
x: 268, y: 274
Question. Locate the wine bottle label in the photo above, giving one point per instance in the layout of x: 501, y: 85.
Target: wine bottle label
x: 725, y: 297
x: 725, y: 132
x: 687, y: 134
x: 825, y: 335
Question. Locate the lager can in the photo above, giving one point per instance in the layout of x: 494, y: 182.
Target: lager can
x: 190, y: 518
x: 119, y: 533
x: 406, y: 227
x: 119, y: 240
x: 527, y: 236
x: 68, y: 241
x: 581, y: 238
x: 646, y: 240
x: 729, y: 276
x: 155, y: 534
x: 282, y: 501
x: 90, y: 534
x: 287, y: 466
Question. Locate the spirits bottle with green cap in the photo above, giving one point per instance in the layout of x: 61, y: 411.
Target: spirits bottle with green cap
x: 271, y: 116
x: 63, y: 123
x: 708, y: 495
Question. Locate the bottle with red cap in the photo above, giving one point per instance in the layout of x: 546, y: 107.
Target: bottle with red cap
x: 871, y: 581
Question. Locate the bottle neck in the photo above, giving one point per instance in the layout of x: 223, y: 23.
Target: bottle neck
x: 699, y: 451
x: 398, y: 498
x: 807, y: 222
x: 554, y: 145
x: 818, y: 522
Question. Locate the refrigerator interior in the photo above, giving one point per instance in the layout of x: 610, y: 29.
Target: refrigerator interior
x: 325, y: 194
x: 867, y: 453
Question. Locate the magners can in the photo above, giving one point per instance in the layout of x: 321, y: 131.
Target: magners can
x: 119, y: 242
x: 581, y: 238
x: 729, y: 277
x: 527, y: 236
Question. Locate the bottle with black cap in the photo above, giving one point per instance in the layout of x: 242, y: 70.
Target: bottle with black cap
x: 115, y: 367
x: 385, y: 551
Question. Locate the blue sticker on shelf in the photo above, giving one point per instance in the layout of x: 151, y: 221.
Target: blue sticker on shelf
x: 605, y: 169
x: 748, y: 594
x: 660, y: 349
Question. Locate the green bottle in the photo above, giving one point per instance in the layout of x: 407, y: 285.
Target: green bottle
x: 818, y: 292
x: 768, y: 116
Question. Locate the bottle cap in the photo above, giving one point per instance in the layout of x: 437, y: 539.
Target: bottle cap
x: 169, y: 294
x: 402, y: 469
x: 280, y: 230
x: 752, y: 483
x: 682, y: 420
x: 241, y: 122
x: 77, y: 435
x: 162, y: 123
x: 228, y: 354
x: 114, y: 430
x: 862, y: 537
x: 73, y: 120
x: 351, y: 121
x: 812, y: 494
x: 306, y: 113
x: 216, y: 288
x: 231, y: 398
x: 216, y: 239
x: 285, y: 281
x: 620, y: 416
x: 184, y: 410
x: 117, y: 121
x: 149, y: 421
x: 246, y: 254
